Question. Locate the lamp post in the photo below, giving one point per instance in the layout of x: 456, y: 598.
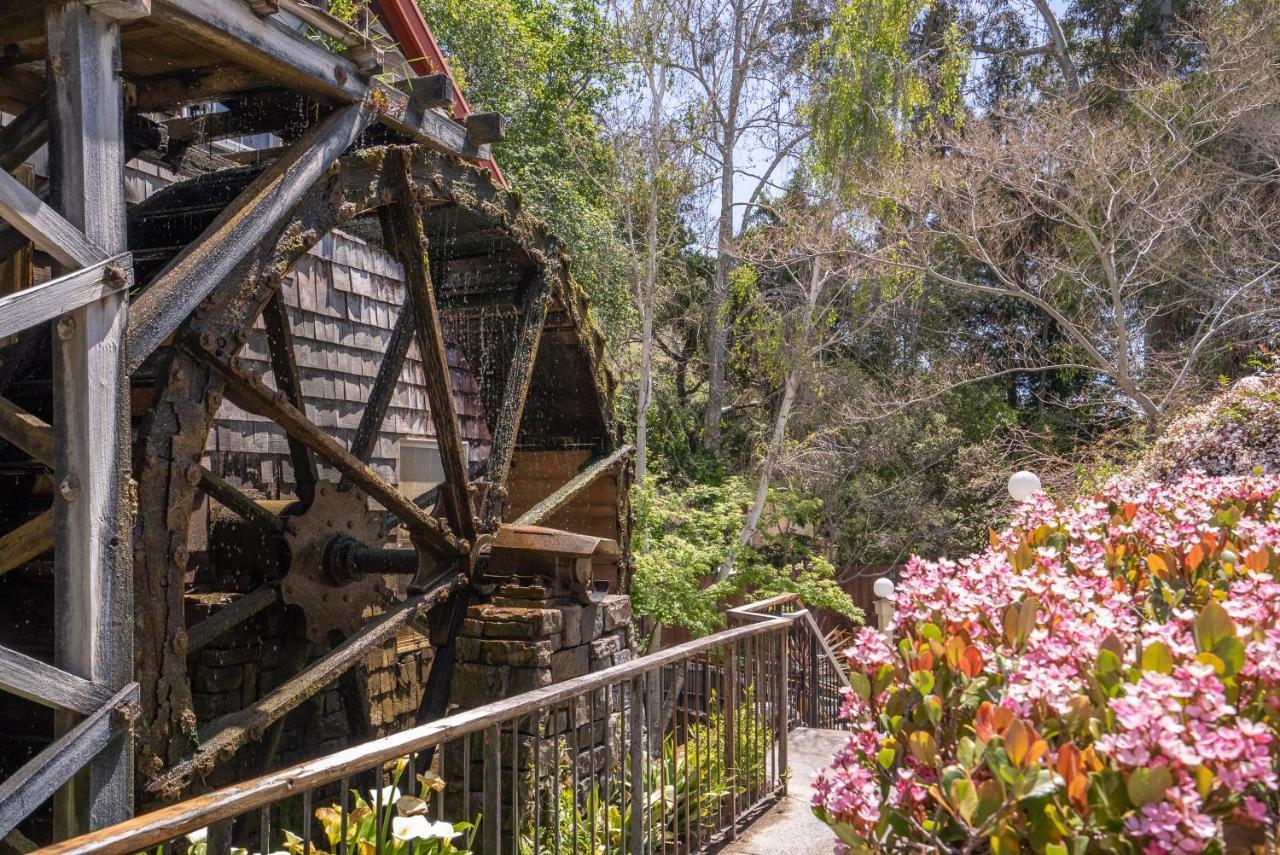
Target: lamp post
x: 1023, y: 485
x: 883, y: 590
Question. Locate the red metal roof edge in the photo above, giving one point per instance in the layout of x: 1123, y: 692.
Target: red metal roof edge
x: 403, y: 19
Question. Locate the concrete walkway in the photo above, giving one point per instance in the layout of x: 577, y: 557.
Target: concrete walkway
x: 789, y: 826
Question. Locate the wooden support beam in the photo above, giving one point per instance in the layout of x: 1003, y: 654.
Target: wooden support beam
x: 215, y: 487
x: 27, y: 432
x: 250, y: 393
x: 584, y: 479
x: 120, y: 10
x: 224, y: 620
x: 224, y: 737
x: 44, y: 684
x: 22, y: 137
x: 93, y: 519
x: 209, y: 259
x: 515, y: 392
x: 42, y: 775
x: 279, y: 54
x: 44, y: 226
x: 410, y: 250
x: 27, y: 542
x: 55, y: 298
x: 284, y: 368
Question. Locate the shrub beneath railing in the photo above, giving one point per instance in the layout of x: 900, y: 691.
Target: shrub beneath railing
x: 689, y: 786
x: 1104, y: 677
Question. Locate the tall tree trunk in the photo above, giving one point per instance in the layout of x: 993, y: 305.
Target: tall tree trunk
x: 719, y: 338
x: 657, y: 87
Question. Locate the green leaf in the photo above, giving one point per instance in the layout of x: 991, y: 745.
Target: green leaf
x: 923, y: 681
x: 1231, y: 652
x: 930, y: 630
x: 1148, y: 785
x: 860, y: 684
x: 1156, y: 657
x: 1212, y: 626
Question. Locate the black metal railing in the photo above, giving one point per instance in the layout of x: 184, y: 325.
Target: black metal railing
x: 669, y: 753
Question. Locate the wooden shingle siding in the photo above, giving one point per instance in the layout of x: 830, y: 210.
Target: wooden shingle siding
x: 342, y: 298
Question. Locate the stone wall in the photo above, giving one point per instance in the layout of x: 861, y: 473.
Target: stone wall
x: 526, y: 638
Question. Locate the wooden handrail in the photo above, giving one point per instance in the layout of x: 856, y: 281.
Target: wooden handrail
x: 176, y: 820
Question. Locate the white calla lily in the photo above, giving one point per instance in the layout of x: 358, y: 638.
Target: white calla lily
x: 420, y: 828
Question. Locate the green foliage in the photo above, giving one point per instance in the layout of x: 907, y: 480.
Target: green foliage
x: 549, y: 66
x: 688, y: 786
x: 684, y: 532
x: 878, y: 93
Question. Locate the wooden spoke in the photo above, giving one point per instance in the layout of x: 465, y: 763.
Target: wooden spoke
x: 24, y: 309
x: 284, y: 367
x: 410, y: 249
x: 514, y: 394
x: 22, y: 137
x: 225, y: 620
x: 26, y: 542
x: 252, y: 394
x: 236, y: 500
x: 250, y: 218
x: 384, y: 385
x: 566, y: 494
x: 228, y: 734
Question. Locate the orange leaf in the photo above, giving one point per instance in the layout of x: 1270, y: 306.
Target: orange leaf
x: 971, y: 662
x: 1158, y: 565
x: 992, y: 537
x: 1069, y: 763
x: 955, y: 649
x: 984, y: 723
x: 1195, y: 557
x: 1130, y: 510
x: 1017, y: 743
x: 1258, y: 560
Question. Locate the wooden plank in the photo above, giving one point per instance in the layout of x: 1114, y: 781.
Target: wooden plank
x: 26, y: 542
x: 93, y: 519
x: 38, y: 681
x: 514, y: 394
x: 210, y: 258
x: 27, y: 432
x: 48, y: 300
x: 284, y: 368
x: 224, y: 737
x: 580, y: 482
x: 45, y: 227
x: 40, y: 776
x: 411, y: 251
x: 224, y: 620
x: 251, y: 394
x: 287, y: 58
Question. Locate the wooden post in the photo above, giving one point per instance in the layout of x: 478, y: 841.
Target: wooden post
x: 92, y: 513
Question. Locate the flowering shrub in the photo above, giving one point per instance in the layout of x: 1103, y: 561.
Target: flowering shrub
x: 1103, y: 677
x: 1233, y: 434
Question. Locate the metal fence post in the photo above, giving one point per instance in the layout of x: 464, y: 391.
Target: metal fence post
x: 491, y: 823
x: 730, y: 695
x: 783, y: 713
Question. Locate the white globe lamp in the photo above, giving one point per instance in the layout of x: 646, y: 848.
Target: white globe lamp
x: 882, y: 587
x: 1023, y: 485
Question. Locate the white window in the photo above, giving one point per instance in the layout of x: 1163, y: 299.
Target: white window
x: 420, y: 466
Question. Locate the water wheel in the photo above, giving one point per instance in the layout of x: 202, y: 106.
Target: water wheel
x: 347, y: 554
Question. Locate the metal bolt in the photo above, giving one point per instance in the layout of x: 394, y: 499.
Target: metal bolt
x: 66, y: 327
x: 114, y: 273
x: 207, y: 341
x: 194, y: 474
x: 69, y: 489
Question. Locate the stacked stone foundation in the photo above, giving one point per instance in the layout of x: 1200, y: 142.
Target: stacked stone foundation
x: 527, y: 638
